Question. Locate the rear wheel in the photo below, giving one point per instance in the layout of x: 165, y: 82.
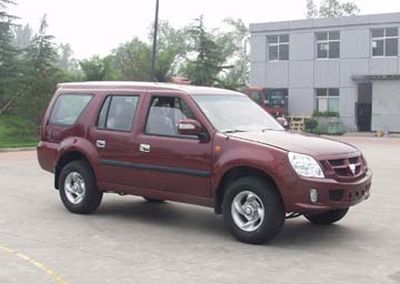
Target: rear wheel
x: 78, y: 190
x: 328, y: 217
x: 253, y: 210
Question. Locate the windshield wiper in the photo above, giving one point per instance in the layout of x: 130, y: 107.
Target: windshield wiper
x: 233, y: 131
x: 270, y: 129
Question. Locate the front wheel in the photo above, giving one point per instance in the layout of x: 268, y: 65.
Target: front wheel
x: 253, y: 210
x: 328, y: 217
x: 78, y: 190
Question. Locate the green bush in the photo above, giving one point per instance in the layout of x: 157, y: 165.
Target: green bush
x: 311, y: 125
x: 17, y: 132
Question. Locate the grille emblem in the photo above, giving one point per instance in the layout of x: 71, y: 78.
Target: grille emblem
x: 352, y: 169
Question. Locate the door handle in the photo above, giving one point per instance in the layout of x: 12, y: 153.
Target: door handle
x: 144, y: 148
x: 100, y: 143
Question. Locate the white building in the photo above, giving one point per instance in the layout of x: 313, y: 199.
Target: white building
x: 349, y: 64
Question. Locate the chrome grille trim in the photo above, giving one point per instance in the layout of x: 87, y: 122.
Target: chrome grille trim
x: 341, y: 169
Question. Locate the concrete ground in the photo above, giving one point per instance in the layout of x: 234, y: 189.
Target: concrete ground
x: 130, y: 241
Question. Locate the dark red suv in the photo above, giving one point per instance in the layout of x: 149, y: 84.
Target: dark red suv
x: 204, y: 146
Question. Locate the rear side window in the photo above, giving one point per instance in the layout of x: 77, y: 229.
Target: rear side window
x: 68, y: 108
x: 117, y: 113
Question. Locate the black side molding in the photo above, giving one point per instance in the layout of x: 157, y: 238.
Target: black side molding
x: 158, y: 168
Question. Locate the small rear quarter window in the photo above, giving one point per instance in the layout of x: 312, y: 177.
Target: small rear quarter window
x: 68, y: 108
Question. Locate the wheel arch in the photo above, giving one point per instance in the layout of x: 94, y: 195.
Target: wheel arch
x: 234, y: 174
x: 66, y: 158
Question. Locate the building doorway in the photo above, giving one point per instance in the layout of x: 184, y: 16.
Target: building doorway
x: 364, y: 107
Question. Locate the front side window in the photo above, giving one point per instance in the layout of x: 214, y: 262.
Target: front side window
x: 234, y: 113
x: 327, y: 100
x: 68, y: 108
x: 164, y: 116
x: 385, y: 42
x: 328, y: 45
x: 117, y: 113
x: 278, y: 47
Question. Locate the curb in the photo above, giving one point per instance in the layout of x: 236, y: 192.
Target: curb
x: 20, y: 149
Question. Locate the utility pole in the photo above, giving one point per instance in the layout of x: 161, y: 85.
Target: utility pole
x: 154, y: 53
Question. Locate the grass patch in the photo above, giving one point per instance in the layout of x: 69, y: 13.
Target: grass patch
x: 17, y: 132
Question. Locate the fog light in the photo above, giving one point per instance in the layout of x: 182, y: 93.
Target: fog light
x: 314, y: 196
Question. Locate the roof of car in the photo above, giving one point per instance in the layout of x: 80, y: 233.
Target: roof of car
x: 189, y: 89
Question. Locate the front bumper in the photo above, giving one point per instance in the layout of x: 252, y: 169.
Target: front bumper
x: 332, y: 194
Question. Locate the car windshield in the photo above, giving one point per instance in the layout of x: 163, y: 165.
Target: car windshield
x: 233, y: 113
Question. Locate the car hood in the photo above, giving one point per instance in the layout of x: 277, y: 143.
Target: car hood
x: 297, y: 142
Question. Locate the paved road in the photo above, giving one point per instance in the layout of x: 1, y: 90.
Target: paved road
x: 130, y: 241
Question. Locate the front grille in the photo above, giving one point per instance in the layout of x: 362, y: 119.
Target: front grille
x: 355, y: 160
x: 337, y: 162
x: 346, y: 168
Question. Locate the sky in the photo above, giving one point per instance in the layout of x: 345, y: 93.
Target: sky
x: 95, y: 27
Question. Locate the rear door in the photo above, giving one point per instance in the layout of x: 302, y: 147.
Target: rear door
x: 173, y: 162
x: 113, y: 136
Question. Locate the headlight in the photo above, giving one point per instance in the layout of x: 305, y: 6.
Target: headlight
x: 305, y: 165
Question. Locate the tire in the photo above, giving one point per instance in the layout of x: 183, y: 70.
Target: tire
x: 154, y: 200
x: 262, y: 196
x: 75, y: 197
x: 328, y: 217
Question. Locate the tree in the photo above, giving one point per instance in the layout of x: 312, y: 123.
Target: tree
x: 42, y: 52
x: 331, y: 8
x: 349, y: 9
x: 37, y: 76
x: 28, y: 72
x: 233, y: 43
x: 219, y: 57
x: 311, y: 8
x: 8, y: 57
x: 5, y: 17
x: 171, y: 47
x: 22, y: 36
x: 65, y: 60
x: 94, y: 68
x: 203, y: 63
x: 132, y: 61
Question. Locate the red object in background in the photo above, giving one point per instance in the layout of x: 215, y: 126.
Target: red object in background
x: 274, y: 101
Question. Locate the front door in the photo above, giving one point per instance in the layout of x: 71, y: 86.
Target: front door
x: 173, y: 162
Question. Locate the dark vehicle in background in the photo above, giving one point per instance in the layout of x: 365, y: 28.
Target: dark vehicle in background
x: 204, y: 146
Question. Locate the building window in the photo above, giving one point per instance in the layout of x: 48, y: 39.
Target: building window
x: 327, y: 100
x: 328, y: 44
x: 385, y: 42
x: 278, y: 47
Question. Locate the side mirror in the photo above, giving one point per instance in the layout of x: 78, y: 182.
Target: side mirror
x: 192, y: 127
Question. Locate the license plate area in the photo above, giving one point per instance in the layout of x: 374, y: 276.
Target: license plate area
x: 360, y: 192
